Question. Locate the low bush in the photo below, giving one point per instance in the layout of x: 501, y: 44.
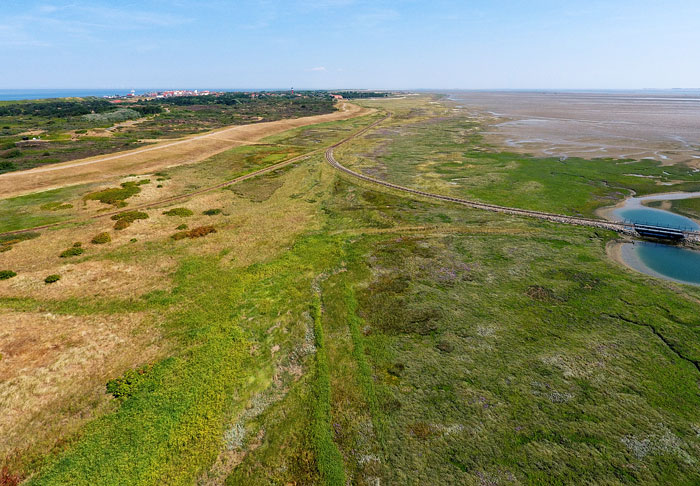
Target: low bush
x: 125, y: 386
x: 52, y: 278
x: 182, y: 212
x: 212, y: 212
x: 194, y: 233
x: 123, y: 220
x: 101, y: 239
x: 7, y: 166
x: 5, y: 274
x: 115, y: 195
x: 121, y: 224
x: 72, y: 251
x: 11, y: 154
x: 182, y: 227
x: 201, y: 231
x: 130, y: 216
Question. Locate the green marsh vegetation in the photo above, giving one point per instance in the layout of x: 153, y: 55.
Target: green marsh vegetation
x: 428, y: 146
x: 396, y: 341
x: 39, y: 208
x: 181, y: 212
x: 686, y: 207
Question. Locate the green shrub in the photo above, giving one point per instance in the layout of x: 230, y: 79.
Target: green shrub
x: 7, y: 166
x: 212, y: 212
x: 5, y: 274
x: 11, y: 154
x: 182, y: 227
x: 130, y: 216
x: 101, y: 239
x: 52, y: 278
x: 121, y: 224
x: 182, y: 212
x: 123, y: 220
x: 115, y: 195
x: 72, y: 251
x: 125, y: 386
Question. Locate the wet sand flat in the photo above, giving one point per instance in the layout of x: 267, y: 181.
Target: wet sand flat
x: 664, y: 126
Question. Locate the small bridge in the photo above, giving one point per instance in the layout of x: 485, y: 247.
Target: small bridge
x: 661, y: 232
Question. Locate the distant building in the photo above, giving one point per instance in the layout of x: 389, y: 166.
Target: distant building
x: 337, y: 97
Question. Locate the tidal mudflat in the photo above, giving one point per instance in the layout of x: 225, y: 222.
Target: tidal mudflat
x: 646, y: 124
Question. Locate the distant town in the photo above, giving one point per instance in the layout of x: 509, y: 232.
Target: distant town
x: 186, y: 92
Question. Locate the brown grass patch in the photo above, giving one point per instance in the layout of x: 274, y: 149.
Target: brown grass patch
x: 93, y: 278
x: 54, y: 368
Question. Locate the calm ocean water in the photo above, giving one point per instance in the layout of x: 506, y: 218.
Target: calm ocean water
x: 37, y: 94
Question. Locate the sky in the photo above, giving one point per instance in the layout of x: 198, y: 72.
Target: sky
x: 333, y: 44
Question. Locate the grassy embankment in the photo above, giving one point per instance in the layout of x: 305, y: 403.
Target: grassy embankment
x: 689, y: 208
x: 69, y: 203
x: 72, y: 129
x: 424, y: 343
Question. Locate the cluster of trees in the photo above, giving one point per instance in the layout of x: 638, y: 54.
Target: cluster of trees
x: 362, y: 94
x: 67, y: 109
x: 235, y: 98
x: 279, y: 104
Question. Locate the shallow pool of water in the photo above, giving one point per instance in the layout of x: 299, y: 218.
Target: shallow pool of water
x: 665, y: 261
x: 635, y: 211
x: 656, y: 217
x: 671, y: 262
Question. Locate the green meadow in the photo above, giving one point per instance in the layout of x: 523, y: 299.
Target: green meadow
x: 376, y: 339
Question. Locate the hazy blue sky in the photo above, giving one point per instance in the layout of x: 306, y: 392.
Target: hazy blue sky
x: 350, y: 43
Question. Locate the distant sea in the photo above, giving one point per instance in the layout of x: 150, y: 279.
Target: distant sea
x: 37, y: 94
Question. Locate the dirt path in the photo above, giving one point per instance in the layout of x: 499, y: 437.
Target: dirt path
x: 160, y: 156
x: 186, y: 195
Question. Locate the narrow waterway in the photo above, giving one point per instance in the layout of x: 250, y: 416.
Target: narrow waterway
x: 635, y: 211
x: 671, y: 262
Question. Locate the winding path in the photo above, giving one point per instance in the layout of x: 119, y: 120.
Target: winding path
x: 625, y: 228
